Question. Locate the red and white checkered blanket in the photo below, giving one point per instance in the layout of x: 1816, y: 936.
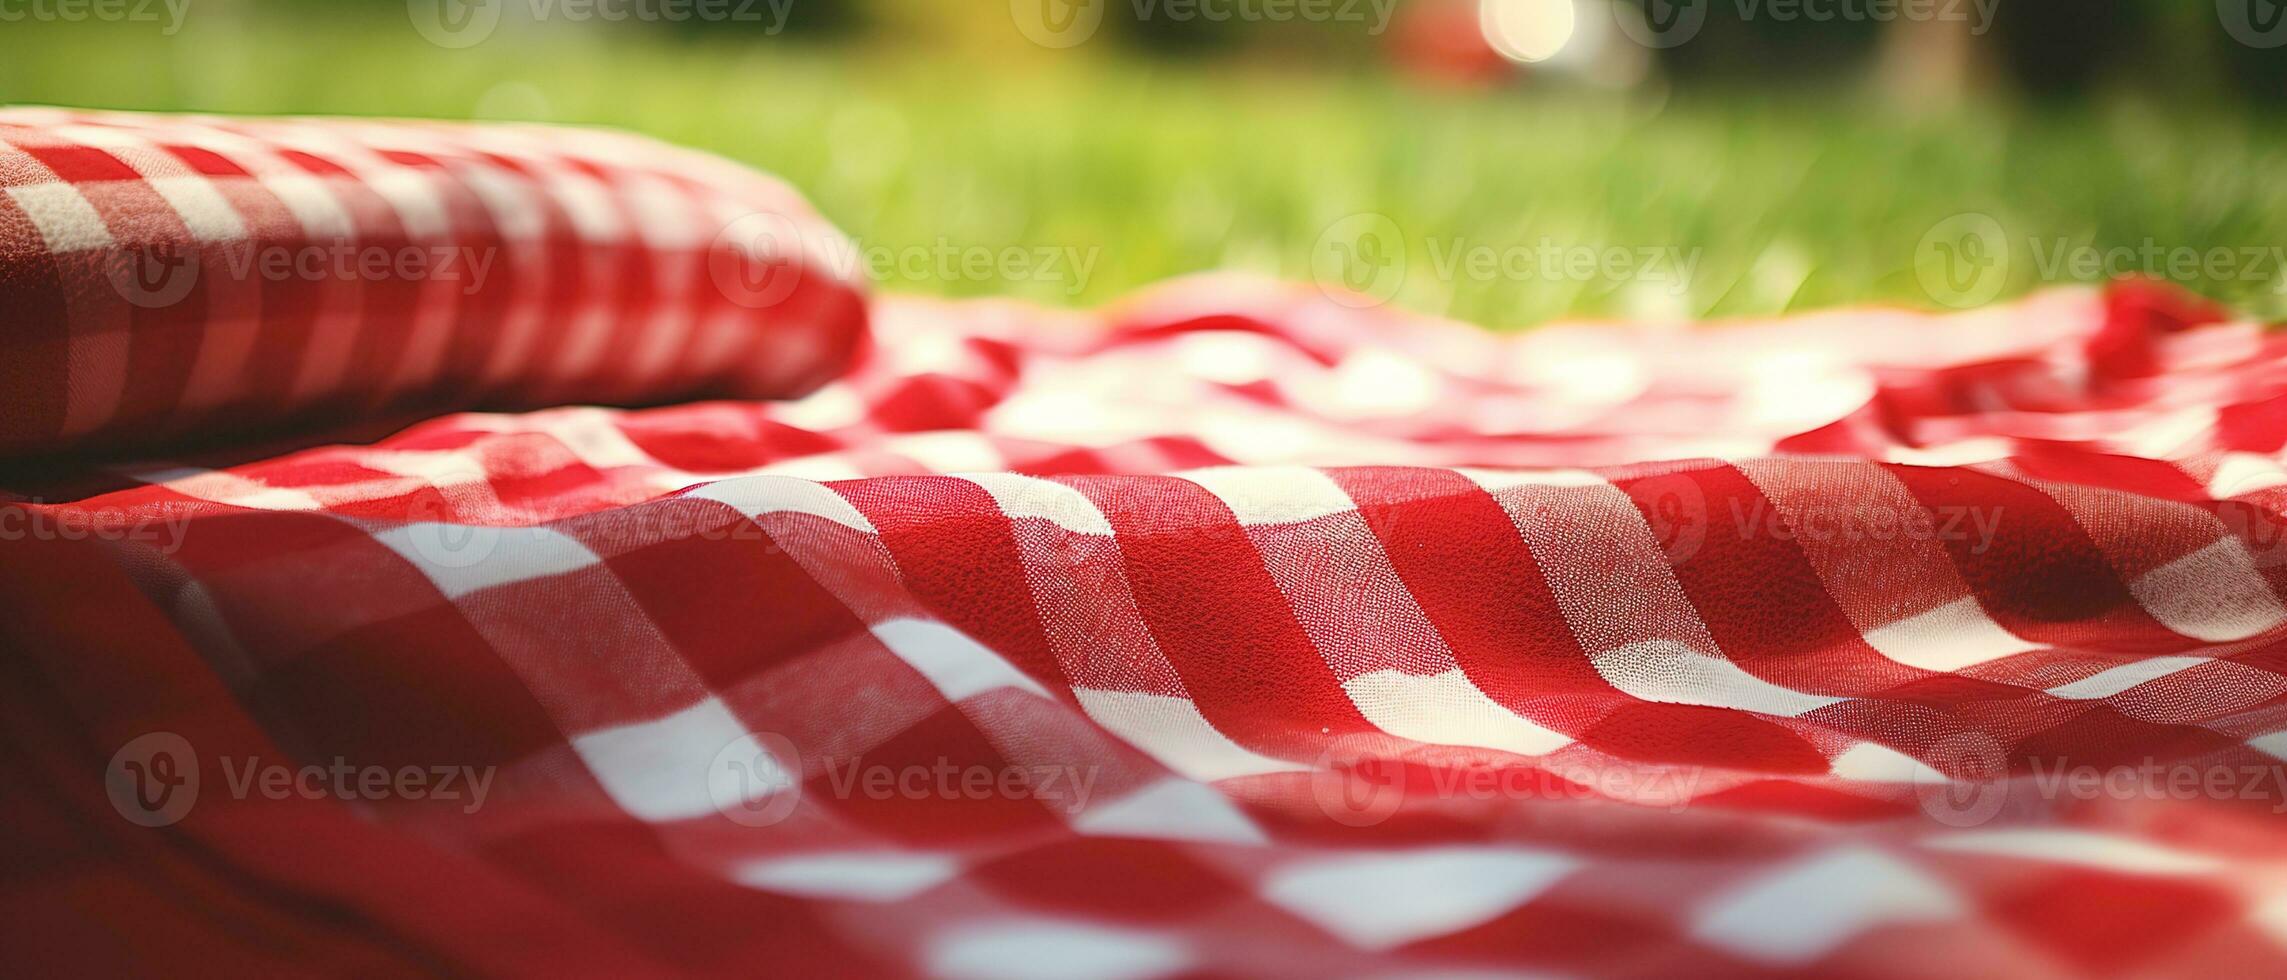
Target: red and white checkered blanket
x: 1230, y: 630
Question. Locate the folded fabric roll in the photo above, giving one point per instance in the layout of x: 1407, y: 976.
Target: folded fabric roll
x: 171, y: 280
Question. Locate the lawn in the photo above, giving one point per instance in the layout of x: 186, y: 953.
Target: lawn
x: 1145, y: 170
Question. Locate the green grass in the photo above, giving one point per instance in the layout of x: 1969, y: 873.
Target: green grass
x: 1787, y: 201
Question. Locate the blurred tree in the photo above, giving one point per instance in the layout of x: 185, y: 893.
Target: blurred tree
x: 2049, y: 49
x: 1931, y: 64
x: 2064, y: 48
x: 1154, y: 26
x: 1752, y: 40
x: 2257, y: 72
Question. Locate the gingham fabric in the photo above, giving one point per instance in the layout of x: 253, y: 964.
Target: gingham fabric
x: 165, y: 278
x: 1232, y: 630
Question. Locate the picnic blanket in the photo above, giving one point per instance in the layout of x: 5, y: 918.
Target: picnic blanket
x: 1237, y: 628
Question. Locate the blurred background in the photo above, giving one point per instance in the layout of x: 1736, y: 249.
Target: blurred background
x: 1501, y: 161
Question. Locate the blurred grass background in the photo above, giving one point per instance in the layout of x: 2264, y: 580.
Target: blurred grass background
x: 1791, y: 196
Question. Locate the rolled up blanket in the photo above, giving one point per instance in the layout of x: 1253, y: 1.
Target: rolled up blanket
x: 169, y: 279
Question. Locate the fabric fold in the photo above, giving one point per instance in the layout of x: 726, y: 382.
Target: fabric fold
x: 1277, y: 631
